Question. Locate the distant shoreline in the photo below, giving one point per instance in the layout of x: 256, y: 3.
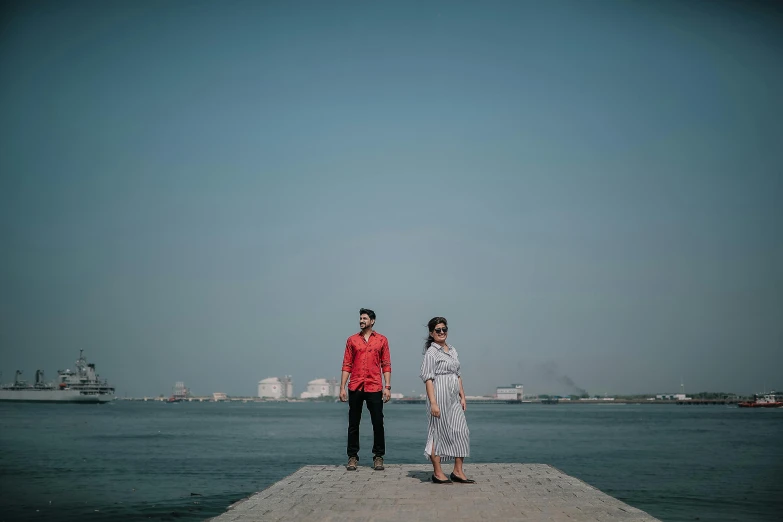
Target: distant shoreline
x: 416, y: 400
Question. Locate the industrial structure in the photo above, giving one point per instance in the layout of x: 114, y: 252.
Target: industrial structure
x: 671, y: 397
x: 321, y: 388
x: 515, y: 392
x: 179, y: 393
x: 276, y: 388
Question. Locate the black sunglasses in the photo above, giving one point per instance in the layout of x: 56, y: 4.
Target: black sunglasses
x: 441, y: 330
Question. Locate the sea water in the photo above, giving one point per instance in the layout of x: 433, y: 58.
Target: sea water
x: 189, y: 461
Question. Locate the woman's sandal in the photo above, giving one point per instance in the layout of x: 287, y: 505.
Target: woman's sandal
x: 436, y: 480
x: 455, y: 478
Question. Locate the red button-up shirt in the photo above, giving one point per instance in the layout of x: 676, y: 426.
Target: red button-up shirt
x: 365, y: 360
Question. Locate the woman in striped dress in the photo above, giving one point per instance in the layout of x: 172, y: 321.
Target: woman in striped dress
x: 448, y: 436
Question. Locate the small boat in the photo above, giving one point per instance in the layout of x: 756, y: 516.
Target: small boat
x: 765, y: 400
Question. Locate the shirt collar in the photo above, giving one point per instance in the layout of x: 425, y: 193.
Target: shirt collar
x: 371, y: 333
x: 439, y: 347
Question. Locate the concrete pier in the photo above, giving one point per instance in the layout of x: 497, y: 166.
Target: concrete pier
x: 403, y: 492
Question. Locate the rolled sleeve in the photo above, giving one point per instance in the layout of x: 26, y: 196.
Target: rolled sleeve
x: 385, y: 358
x: 348, y: 357
x: 428, y: 367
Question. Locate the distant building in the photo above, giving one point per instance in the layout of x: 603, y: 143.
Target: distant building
x: 180, y: 391
x: 276, y: 388
x: 672, y: 397
x: 288, y: 387
x: 270, y: 388
x: 321, y: 388
x: 515, y: 392
x: 219, y: 397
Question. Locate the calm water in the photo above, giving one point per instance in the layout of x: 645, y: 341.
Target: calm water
x: 189, y: 461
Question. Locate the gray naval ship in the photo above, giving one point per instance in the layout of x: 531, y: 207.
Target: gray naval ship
x: 80, y: 385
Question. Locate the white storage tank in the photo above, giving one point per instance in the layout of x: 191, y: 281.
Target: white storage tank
x: 321, y: 388
x: 271, y: 388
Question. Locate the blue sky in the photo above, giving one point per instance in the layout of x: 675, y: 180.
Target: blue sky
x: 209, y: 192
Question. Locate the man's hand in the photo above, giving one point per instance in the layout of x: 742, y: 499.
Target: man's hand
x: 434, y: 410
x: 386, y: 395
x: 463, y: 403
x: 343, y: 395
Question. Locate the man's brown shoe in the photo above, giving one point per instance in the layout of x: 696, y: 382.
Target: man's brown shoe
x: 377, y: 463
x: 352, y: 462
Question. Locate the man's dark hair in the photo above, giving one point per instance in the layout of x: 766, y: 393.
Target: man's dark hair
x: 368, y: 312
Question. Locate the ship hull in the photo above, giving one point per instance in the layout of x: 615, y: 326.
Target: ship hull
x: 74, y: 396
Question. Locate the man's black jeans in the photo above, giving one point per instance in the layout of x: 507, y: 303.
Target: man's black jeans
x: 374, y: 401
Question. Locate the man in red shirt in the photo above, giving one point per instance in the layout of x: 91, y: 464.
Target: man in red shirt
x: 366, y: 357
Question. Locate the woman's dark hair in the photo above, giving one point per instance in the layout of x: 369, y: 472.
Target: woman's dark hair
x: 435, y: 321
x: 368, y: 312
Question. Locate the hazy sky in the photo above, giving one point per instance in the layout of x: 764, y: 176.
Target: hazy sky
x: 209, y: 191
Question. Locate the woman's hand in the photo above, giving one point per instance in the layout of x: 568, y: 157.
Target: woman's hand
x: 462, y: 402
x: 434, y: 410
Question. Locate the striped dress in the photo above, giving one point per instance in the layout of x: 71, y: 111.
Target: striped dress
x: 449, y: 433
